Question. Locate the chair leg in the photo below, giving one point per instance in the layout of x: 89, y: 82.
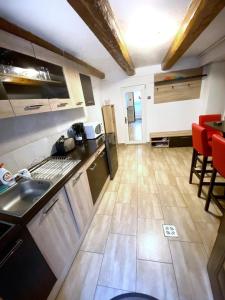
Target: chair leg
x: 213, y: 178
x: 204, y: 164
x: 193, y: 164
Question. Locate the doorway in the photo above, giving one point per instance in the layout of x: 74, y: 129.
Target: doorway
x: 133, y: 100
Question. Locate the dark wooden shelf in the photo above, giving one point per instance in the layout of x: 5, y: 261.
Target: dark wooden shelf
x: 13, y: 79
x: 186, y: 79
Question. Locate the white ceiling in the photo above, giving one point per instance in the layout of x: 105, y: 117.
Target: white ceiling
x: 148, y: 27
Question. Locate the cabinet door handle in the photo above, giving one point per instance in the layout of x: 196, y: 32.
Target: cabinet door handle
x: 62, y: 104
x: 125, y: 120
x: 77, y: 178
x: 79, y: 103
x: 10, y: 253
x: 49, y: 208
x: 33, y: 107
x: 93, y: 167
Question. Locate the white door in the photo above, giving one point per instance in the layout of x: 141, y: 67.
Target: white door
x: 134, y: 118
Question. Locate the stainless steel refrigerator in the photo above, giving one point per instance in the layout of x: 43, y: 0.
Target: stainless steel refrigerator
x: 108, y: 113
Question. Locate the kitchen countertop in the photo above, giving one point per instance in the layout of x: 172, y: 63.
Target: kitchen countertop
x: 81, y: 152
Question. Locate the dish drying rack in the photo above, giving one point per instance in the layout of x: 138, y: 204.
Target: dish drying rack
x: 53, y: 168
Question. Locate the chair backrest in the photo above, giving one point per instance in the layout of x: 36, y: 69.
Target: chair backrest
x: 200, y: 140
x: 209, y: 118
x: 218, y: 153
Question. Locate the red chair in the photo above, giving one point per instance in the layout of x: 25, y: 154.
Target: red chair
x: 210, y: 118
x: 218, y: 155
x: 201, y: 146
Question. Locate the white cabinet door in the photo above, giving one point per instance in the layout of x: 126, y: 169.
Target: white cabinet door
x: 80, y: 198
x: 55, y: 233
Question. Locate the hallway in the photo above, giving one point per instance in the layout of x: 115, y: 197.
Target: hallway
x: 125, y: 248
x: 135, y: 130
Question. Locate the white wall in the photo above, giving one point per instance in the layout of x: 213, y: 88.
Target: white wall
x: 213, y: 91
x: 171, y: 116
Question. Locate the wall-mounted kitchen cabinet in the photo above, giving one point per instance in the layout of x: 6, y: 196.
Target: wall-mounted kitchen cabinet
x: 74, y: 85
x: 28, y: 107
x: 6, y: 110
x: 61, y: 104
x: 29, y: 72
x: 87, y: 90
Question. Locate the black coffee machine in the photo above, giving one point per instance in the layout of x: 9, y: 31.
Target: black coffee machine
x: 79, y: 133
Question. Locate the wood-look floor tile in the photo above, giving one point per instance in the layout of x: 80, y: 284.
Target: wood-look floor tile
x: 127, y: 193
x: 163, y: 177
x: 190, y: 263
x: 171, y: 196
x: 81, y: 281
x: 97, y: 234
x: 147, y: 184
x: 208, y: 233
x: 106, y: 293
x: 129, y: 176
x: 185, y: 187
x: 160, y: 164
x: 181, y: 218
x: 151, y: 243
x: 107, y: 203
x: 119, y: 263
x: 113, y: 186
x: 197, y: 211
x: 149, y: 197
x: 124, y: 220
x: 148, y: 209
x: 157, y: 280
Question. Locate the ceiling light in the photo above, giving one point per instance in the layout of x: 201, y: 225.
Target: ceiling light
x: 148, y: 29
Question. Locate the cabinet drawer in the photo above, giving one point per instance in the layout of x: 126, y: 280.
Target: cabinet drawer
x: 5, y: 109
x: 28, y: 107
x: 60, y: 104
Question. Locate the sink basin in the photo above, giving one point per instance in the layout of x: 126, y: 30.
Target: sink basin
x: 21, y: 197
x: 4, y: 228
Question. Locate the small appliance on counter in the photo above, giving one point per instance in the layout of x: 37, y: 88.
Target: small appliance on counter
x: 79, y: 133
x: 64, y: 145
x: 93, y: 130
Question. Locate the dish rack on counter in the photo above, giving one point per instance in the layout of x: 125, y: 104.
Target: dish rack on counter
x: 53, y: 168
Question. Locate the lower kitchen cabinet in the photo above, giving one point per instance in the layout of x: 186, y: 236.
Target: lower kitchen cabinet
x: 98, y: 173
x: 55, y: 233
x: 80, y: 198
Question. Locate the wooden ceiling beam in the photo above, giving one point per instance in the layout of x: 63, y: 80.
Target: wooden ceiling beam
x: 199, y: 14
x: 18, y: 31
x: 99, y: 17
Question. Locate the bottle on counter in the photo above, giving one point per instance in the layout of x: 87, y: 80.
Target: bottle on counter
x: 6, y: 177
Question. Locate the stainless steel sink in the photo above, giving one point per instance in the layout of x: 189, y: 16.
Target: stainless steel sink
x: 21, y: 197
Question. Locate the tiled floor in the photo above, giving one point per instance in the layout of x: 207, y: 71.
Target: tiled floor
x: 135, y: 130
x: 125, y: 248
